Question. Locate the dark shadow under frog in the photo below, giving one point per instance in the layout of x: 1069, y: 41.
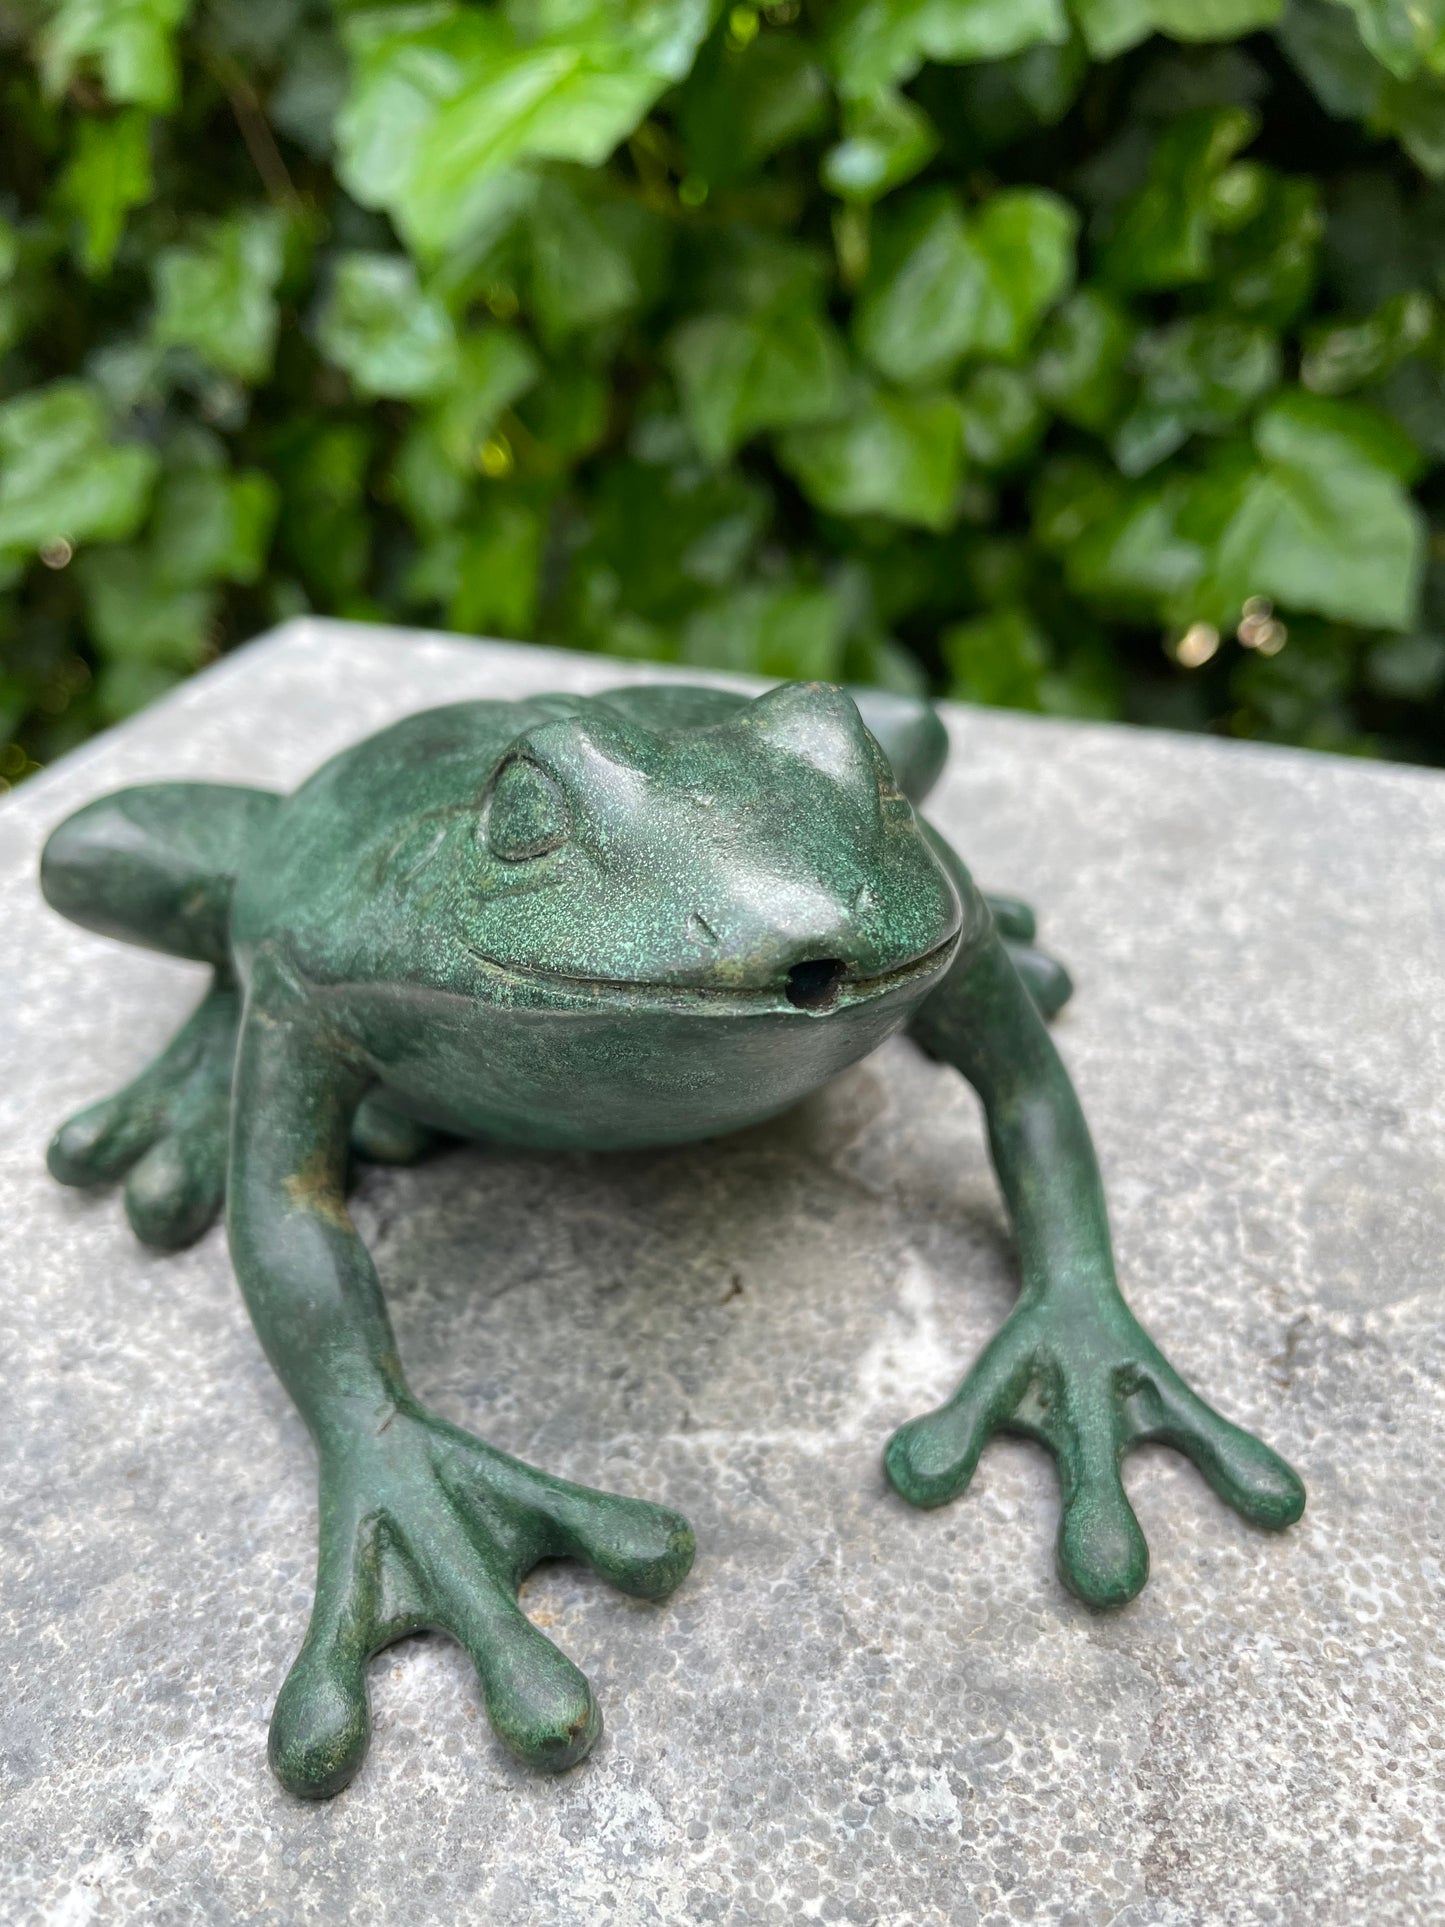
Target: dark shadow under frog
x: 632, y: 919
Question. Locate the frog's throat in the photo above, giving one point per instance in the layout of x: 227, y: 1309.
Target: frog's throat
x: 718, y: 999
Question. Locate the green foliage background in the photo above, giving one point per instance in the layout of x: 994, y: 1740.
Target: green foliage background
x: 1081, y: 355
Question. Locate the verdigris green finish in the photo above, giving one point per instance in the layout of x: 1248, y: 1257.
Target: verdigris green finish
x: 632, y: 919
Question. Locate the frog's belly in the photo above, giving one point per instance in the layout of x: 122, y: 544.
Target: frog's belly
x: 613, y: 1077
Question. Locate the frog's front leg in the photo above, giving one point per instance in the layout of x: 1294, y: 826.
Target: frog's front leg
x: 1071, y: 1367
x: 421, y: 1525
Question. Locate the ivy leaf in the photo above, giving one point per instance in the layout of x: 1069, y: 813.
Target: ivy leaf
x: 61, y: 478
x: 132, y: 42
x: 1341, y: 356
x: 662, y: 539
x: 496, y: 365
x: 1162, y: 236
x: 1003, y: 420
x: 1320, y: 521
x: 1083, y: 351
x: 1401, y: 34
x: 428, y: 485
x: 942, y: 287
x: 1212, y: 19
x: 218, y: 296
x: 567, y: 414
x: 1111, y: 27
x: 445, y: 99
x: 886, y: 140
x: 781, y: 631
x: 591, y: 260
x: 390, y: 337
x: 1197, y: 375
x: 497, y: 569
x: 213, y: 526
x: 109, y: 173
x: 996, y: 658
x: 896, y: 455
x: 742, y: 103
x: 138, y: 612
x: 872, y: 44
x: 744, y: 269
x: 1123, y: 549
x: 737, y: 374
x: 306, y: 100
x: 1414, y: 112
x: 1268, y: 268
x: 1026, y: 237
x: 324, y: 526
x: 1323, y: 45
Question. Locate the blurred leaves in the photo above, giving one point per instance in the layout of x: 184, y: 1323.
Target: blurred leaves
x: 109, y: 173
x: 131, y: 42
x: 217, y: 295
x: 389, y: 337
x: 891, y: 454
x: 63, y: 481
x: 447, y: 98
x: 943, y: 286
x: 1082, y: 355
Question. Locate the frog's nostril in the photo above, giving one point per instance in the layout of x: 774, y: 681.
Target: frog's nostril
x: 813, y: 985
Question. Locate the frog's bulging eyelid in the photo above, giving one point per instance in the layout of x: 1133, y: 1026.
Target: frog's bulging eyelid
x: 538, y: 802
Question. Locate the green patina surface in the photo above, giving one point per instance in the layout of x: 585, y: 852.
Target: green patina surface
x: 639, y: 918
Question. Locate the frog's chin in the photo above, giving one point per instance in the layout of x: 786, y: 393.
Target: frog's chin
x: 816, y: 988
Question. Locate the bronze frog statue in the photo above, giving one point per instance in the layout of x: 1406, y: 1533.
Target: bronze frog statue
x: 636, y: 918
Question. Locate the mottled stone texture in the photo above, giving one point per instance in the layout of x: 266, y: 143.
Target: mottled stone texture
x: 852, y: 1711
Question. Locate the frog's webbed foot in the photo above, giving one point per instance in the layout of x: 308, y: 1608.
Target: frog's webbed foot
x: 1088, y: 1383
x: 1045, y: 978
x: 425, y: 1527
x: 166, y: 1132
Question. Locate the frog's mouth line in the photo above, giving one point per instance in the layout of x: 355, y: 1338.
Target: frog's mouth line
x: 816, y: 988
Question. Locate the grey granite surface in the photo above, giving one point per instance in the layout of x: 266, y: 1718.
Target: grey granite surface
x: 851, y: 1711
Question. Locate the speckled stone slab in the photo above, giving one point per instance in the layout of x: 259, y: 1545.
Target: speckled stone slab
x: 851, y: 1711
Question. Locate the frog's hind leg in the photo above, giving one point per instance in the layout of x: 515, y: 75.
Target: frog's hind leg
x: 1045, y: 978
x: 155, y: 866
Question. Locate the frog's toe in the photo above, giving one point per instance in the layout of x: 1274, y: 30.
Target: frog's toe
x: 540, y: 1705
x: 643, y: 1549
x: 1101, y: 1552
x: 1242, y: 1469
x: 102, y: 1142
x: 167, y: 1128
x: 1015, y: 918
x: 931, y: 1459
x: 1045, y: 978
x: 321, y: 1727
x: 175, y: 1191
x: 382, y: 1135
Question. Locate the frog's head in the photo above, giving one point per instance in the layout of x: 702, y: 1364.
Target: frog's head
x: 767, y: 862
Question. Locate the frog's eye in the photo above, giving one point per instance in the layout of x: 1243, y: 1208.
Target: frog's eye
x: 527, y: 814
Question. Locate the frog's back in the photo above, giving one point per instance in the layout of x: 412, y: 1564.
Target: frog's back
x: 331, y: 857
